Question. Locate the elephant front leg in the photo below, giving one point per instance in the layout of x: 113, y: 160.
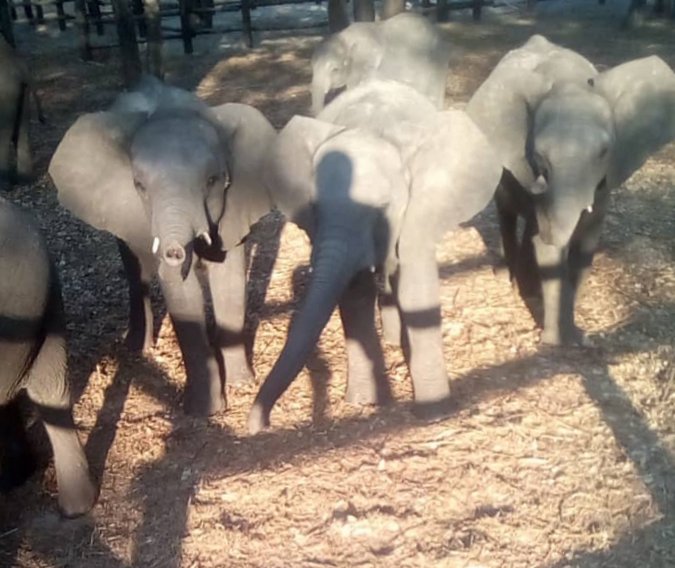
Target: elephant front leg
x: 419, y: 300
x: 366, y: 378
x: 185, y: 302
x: 559, y: 326
x: 508, y: 225
x: 139, y: 268
x: 227, y: 281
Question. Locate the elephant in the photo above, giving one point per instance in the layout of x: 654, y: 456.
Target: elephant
x: 16, y: 159
x: 566, y: 135
x: 33, y: 355
x: 407, y: 48
x: 178, y: 183
x: 375, y: 181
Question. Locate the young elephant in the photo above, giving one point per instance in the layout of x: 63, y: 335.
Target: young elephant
x: 375, y: 183
x: 175, y: 181
x: 33, y: 355
x: 407, y: 48
x: 566, y: 135
x: 16, y: 161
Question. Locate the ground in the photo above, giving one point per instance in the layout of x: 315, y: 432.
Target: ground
x: 553, y: 457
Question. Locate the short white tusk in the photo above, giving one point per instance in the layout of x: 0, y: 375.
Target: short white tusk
x: 589, y: 209
x: 155, y: 245
x: 205, y: 237
x: 372, y: 269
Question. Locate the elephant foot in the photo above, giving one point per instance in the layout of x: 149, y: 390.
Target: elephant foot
x: 77, y: 497
x: 434, y: 411
x: 570, y: 336
x: 258, y: 419
x: 200, y: 401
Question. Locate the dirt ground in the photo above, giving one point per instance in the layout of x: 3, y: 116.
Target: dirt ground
x: 553, y: 458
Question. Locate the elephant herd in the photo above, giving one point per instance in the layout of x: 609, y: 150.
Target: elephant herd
x: 375, y: 179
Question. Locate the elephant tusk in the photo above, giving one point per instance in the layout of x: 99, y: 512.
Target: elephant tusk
x: 155, y: 245
x: 372, y: 269
x: 589, y: 209
x: 204, y: 235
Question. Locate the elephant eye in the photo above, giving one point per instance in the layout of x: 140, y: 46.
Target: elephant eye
x: 211, y: 181
x: 603, y: 152
x: 139, y: 186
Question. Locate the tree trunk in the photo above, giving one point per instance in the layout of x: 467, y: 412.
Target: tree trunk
x: 364, y: 10
x: 392, y: 7
x: 154, y: 35
x: 126, y: 32
x: 338, y: 18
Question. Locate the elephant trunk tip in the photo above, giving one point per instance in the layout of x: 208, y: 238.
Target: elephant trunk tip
x: 174, y: 254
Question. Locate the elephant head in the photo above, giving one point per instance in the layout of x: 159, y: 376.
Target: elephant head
x: 376, y: 182
x: 162, y: 167
x: 343, y: 60
x: 563, y: 129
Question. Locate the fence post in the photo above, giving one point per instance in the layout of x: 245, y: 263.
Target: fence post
x: 185, y: 26
x: 477, y: 10
x: 83, y: 25
x: 246, y: 21
x: 126, y: 32
x: 153, y: 29
x: 6, y: 22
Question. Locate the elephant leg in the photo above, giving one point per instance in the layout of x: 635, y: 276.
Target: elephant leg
x: 227, y: 281
x: 389, y: 312
x: 17, y: 463
x: 185, y: 303
x: 419, y: 300
x: 527, y: 271
x: 585, y: 241
x: 24, y: 155
x: 366, y: 378
x: 508, y: 225
x: 139, y: 268
x: 47, y: 387
x: 559, y: 327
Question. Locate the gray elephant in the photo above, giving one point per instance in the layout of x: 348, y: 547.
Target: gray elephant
x: 16, y: 159
x: 407, y: 48
x: 176, y: 182
x: 375, y: 182
x: 567, y: 135
x: 33, y: 355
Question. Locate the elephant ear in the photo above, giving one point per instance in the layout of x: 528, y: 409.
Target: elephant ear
x: 454, y: 172
x: 248, y: 136
x: 642, y: 95
x: 289, y: 169
x: 502, y: 105
x: 92, y: 174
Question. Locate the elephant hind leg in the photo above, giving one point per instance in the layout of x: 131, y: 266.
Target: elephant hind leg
x: 47, y: 388
x: 367, y: 383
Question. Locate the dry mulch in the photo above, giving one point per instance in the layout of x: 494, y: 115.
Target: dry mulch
x: 553, y: 458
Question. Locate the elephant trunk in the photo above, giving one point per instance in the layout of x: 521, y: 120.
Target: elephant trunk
x: 334, y: 265
x: 319, y: 91
x: 173, y: 231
